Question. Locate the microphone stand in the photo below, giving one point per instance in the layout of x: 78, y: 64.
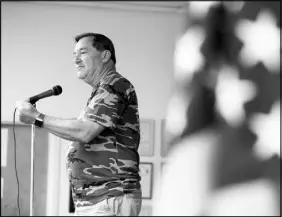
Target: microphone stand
x: 32, y: 168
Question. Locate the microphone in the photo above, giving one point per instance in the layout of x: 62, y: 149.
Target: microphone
x: 56, y: 90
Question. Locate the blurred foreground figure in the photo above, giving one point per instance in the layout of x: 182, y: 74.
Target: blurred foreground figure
x: 224, y: 116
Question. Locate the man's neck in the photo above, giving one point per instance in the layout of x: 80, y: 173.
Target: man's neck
x: 102, y: 71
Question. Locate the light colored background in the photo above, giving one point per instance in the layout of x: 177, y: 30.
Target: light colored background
x: 37, y: 46
x: 146, y: 173
x: 147, y: 134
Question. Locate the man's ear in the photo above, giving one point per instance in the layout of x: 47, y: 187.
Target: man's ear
x: 106, y: 56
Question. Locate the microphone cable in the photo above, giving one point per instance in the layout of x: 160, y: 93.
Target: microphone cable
x: 18, y: 198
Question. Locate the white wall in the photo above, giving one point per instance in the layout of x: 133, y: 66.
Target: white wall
x: 37, y: 46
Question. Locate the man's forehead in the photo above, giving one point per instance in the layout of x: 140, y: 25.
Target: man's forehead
x: 85, y: 42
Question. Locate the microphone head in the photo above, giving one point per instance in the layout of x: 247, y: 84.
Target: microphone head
x: 57, y: 90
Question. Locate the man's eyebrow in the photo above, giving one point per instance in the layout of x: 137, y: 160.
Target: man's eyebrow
x: 80, y: 49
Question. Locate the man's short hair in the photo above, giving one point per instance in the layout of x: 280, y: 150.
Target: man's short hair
x: 100, y: 42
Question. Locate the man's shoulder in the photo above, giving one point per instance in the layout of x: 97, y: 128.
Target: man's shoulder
x: 119, y: 83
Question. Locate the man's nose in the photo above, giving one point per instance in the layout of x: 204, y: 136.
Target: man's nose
x: 76, y: 59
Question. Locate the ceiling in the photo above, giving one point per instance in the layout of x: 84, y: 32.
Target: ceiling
x: 158, y: 6
x: 166, y: 4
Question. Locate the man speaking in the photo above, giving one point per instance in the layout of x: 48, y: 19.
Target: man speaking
x: 103, y: 159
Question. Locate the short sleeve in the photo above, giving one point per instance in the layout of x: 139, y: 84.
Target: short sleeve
x: 105, y: 107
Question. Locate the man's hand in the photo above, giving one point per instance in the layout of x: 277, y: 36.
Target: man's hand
x: 27, y: 112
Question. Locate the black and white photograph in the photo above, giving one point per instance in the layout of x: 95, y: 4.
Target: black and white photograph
x: 140, y: 108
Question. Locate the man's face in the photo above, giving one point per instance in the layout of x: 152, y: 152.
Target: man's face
x: 86, y: 59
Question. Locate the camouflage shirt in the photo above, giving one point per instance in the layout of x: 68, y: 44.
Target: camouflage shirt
x: 108, y: 165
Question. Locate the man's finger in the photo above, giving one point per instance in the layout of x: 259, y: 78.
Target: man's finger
x: 18, y: 112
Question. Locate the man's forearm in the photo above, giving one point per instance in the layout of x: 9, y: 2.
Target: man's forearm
x: 69, y: 129
x: 62, y: 136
